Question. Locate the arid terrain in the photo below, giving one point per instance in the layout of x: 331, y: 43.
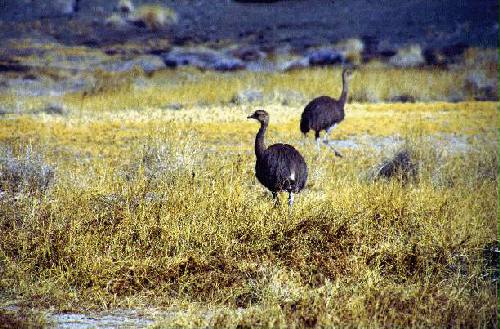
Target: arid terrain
x: 127, y: 189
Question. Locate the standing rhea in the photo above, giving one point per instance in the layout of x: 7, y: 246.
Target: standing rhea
x: 280, y: 167
x: 324, y: 112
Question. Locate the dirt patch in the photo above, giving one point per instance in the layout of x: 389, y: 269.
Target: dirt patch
x: 120, y: 318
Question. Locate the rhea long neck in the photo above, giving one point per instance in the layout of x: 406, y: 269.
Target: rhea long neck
x: 345, y: 90
x: 260, y: 147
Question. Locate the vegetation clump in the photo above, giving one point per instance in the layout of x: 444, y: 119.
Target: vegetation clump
x: 401, y: 166
x: 153, y: 17
x: 116, y: 20
x: 27, y: 173
x: 352, y: 50
x: 160, y: 208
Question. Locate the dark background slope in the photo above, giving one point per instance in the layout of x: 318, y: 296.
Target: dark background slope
x: 430, y: 23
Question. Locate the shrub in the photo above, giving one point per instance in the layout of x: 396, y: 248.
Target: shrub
x: 162, y: 161
x: 116, y: 20
x: 352, y: 49
x: 401, y: 166
x: 153, y: 17
x: 27, y: 173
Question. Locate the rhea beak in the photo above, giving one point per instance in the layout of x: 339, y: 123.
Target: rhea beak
x: 251, y: 116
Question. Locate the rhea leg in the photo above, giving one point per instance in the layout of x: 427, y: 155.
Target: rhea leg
x: 275, y: 198
x: 337, y: 153
x: 325, y: 140
x: 316, y: 136
x: 327, y: 133
x: 290, y: 199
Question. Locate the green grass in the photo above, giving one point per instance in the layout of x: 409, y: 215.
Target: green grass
x: 160, y: 208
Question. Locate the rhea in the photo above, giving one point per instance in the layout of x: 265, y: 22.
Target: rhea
x: 279, y: 167
x: 324, y: 112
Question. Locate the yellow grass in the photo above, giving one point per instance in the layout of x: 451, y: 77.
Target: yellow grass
x: 154, y: 207
x: 191, y: 88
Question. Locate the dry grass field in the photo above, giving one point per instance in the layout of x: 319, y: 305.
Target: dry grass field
x: 145, y: 197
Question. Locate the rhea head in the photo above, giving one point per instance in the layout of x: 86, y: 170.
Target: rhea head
x: 261, y: 116
x: 347, y: 73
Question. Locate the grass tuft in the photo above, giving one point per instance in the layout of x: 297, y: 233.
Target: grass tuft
x: 401, y: 166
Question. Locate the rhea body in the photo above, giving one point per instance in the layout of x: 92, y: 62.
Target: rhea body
x: 279, y: 167
x: 324, y: 112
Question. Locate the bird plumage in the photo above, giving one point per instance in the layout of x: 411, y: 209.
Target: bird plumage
x: 321, y: 113
x: 324, y: 112
x: 279, y: 167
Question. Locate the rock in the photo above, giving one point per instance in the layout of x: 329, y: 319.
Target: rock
x: 294, y: 64
x: 180, y: 58
x: 227, y: 64
x: 325, y: 56
x: 410, y: 56
x: 248, y: 53
x: 202, y: 59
